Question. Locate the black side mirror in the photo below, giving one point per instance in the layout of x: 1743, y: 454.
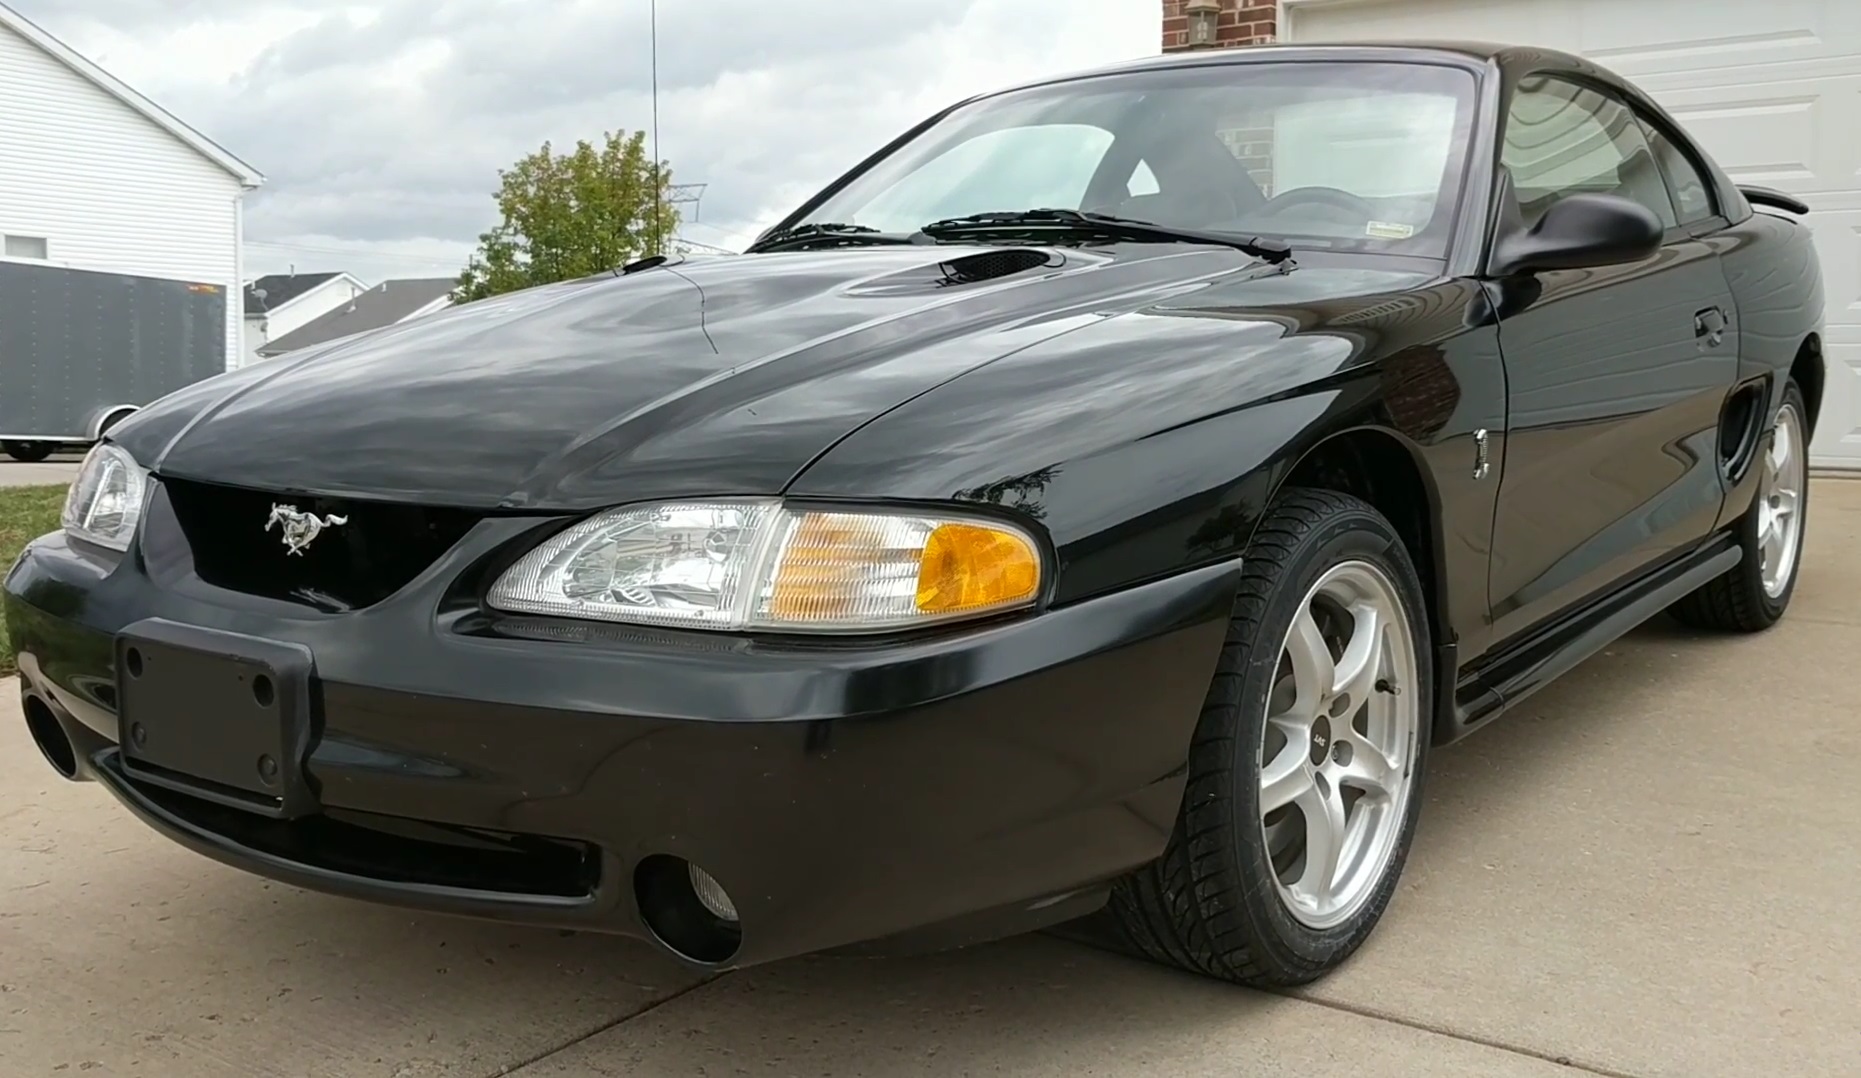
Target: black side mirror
x: 1579, y: 232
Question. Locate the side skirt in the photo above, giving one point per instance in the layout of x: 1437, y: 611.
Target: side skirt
x: 1540, y: 658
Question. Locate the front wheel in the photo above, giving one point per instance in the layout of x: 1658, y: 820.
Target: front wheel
x: 28, y: 452
x: 1306, y: 771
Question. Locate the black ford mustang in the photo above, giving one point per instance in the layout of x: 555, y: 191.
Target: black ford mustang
x: 1099, y: 501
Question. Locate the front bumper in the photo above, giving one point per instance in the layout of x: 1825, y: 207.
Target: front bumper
x: 936, y: 790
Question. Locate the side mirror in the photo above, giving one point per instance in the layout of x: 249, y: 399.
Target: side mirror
x: 1580, y: 232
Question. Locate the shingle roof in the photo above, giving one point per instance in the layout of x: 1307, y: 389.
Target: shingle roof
x: 382, y: 305
x: 280, y: 289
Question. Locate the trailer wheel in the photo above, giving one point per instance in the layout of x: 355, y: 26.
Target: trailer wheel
x: 28, y: 452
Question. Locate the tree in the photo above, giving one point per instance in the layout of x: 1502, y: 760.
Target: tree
x: 570, y: 215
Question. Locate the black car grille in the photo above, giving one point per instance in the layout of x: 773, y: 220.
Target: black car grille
x: 380, y: 547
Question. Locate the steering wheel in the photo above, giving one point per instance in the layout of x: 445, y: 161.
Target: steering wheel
x: 1333, y: 197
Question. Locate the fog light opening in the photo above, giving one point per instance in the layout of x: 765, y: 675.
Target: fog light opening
x: 687, y: 909
x: 49, y: 734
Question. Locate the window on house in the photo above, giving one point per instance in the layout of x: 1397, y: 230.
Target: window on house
x: 26, y: 247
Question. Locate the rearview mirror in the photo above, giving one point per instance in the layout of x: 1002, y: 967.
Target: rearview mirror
x: 1580, y: 232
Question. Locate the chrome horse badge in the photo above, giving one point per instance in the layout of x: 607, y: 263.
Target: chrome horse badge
x: 300, y: 529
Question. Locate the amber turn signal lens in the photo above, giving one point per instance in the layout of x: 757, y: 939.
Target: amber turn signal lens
x: 973, y: 566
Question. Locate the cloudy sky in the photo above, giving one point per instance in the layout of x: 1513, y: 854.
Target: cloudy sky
x: 380, y: 124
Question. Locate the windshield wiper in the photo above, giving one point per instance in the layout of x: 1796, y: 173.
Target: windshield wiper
x: 1263, y: 248
x: 826, y: 235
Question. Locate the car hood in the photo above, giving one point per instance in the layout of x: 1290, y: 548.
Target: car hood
x: 722, y: 376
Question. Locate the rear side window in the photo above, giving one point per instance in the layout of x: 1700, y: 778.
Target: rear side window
x: 1563, y: 139
x: 1692, y: 195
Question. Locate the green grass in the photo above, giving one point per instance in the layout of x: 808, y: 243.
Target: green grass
x: 25, y: 514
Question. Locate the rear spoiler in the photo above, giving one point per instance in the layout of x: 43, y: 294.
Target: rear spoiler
x: 1770, y: 196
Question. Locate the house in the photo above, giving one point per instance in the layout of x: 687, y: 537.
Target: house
x: 388, y: 303
x: 279, y: 304
x: 1765, y: 88
x: 95, y: 176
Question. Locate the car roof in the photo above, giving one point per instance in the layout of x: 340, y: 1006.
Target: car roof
x: 1462, y: 53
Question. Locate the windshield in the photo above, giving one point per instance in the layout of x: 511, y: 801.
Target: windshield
x: 1356, y: 155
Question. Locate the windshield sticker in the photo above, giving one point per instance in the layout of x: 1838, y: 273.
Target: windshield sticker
x: 1385, y: 230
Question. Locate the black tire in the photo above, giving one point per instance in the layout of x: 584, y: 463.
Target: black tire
x: 28, y: 452
x: 1738, y: 601
x: 1210, y: 904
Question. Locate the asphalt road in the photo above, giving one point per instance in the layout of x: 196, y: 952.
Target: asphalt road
x: 1650, y: 870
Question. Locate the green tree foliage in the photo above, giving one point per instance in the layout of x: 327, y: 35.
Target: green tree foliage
x: 570, y: 215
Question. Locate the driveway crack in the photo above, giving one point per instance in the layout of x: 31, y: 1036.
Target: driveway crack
x: 510, y: 1069
x: 1469, y: 1038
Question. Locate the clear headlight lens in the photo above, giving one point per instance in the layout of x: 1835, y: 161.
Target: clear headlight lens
x: 761, y: 565
x: 104, y: 505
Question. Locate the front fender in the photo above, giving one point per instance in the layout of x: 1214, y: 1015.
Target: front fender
x: 1142, y: 447
x: 1153, y: 443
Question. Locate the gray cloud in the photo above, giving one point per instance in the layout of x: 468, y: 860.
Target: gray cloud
x: 131, y: 14
x: 390, y: 131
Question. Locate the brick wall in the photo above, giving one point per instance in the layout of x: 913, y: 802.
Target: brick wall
x: 1243, y: 22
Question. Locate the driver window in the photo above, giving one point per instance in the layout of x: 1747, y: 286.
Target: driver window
x: 1563, y: 139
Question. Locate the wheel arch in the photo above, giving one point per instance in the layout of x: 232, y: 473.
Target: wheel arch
x: 110, y: 417
x: 1811, y: 376
x: 1386, y: 470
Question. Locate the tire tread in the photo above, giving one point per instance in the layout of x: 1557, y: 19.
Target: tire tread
x: 1179, y: 909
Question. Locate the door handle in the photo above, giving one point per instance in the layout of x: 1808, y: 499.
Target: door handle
x: 1709, y: 325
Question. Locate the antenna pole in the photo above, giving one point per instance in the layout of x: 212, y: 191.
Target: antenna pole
x: 659, y: 197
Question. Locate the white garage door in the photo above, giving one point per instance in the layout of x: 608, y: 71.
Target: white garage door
x: 1773, y: 90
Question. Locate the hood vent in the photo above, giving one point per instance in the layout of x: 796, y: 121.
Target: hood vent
x: 970, y: 269
x: 993, y: 265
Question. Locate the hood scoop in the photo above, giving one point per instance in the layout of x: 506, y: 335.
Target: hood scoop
x: 969, y: 269
x: 994, y: 265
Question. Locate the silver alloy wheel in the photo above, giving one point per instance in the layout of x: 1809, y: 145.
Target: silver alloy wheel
x: 1780, y: 501
x: 1338, y: 752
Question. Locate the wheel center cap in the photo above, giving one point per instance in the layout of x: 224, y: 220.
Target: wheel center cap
x: 1321, y: 740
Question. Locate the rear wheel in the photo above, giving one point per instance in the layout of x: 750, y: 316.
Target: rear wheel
x: 1305, y: 774
x: 1753, y: 595
x: 28, y: 452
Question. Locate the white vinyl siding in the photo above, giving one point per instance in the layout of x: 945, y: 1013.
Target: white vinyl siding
x: 106, y: 188
x: 1769, y: 89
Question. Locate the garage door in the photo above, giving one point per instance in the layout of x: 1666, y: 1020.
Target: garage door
x: 1773, y: 90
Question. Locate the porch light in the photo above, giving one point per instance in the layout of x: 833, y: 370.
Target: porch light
x: 1204, y: 16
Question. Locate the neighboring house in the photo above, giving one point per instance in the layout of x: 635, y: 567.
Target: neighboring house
x: 386, y: 304
x: 1767, y: 88
x: 280, y: 304
x: 95, y: 176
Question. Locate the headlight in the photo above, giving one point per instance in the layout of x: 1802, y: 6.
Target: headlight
x: 761, y: 565
x: 105, y: 502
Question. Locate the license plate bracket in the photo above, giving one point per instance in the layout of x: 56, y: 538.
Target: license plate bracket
x: 216, y: 715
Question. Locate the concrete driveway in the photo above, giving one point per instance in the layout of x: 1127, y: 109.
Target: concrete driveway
x: 61, y: 468
x: 1652, y: 869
